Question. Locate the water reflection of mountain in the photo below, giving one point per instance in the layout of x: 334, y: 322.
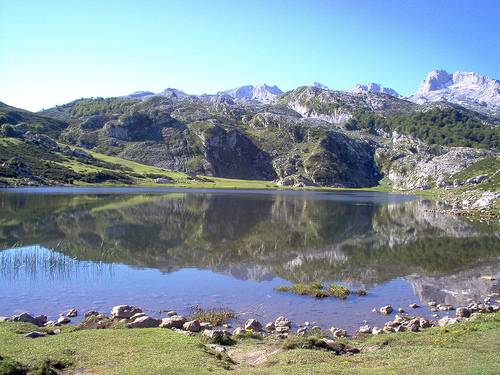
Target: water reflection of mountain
x: 256, y: 236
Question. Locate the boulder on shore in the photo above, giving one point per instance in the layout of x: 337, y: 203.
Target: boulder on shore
x: 124, y: 311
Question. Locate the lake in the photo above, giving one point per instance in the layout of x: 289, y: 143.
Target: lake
x: 162, y: 249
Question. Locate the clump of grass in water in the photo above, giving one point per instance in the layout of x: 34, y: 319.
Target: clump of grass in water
x: 316, y: 290
x: 215, y: 316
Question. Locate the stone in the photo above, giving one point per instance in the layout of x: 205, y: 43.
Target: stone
x: 216, y: 348
x: 282, y: 329
x: 365, y: 329
x: 254, y: 325
x: 377, y: 331
x: 138, y: 315
x: 91, y: 313
x: 62, y: 320
x: 213, y: 334
x: 72, y: 313
x: 462, y: 312
x: 338, y: 332
x: 163, y: 180
x: 302, y: 330
x: 414, y: 306
x: 361, y: 292
x: 239, y: 331
x: 176, y: 321
x: 35, y: 334
x: 39, y: 320
x: 388, y: 329
x: 171, y: 313
x: 282, y: 322
x: 124, y: 311
x: 424, y: 323
x: 54, y: 331
x: 401, y: 310
x: 192, y: 326
x: 386, y: 310
x: 271, y: 327
x: 488, y: 277
x: 446, y: 321
x: 205, y: 325
x: 144, y: 322
x: 445, y: 307
x: 374, y: 310
x: 432, y: 303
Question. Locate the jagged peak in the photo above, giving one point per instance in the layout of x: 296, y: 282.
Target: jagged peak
x: 374, y: 88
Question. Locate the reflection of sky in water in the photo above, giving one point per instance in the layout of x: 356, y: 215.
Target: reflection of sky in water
x: 47, y: 282
x: 176, y: 250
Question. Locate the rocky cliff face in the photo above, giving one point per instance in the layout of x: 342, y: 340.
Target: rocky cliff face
x: 375, y: 88
x: 468, y: 89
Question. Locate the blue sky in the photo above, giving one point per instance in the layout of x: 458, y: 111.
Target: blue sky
x: 52, y: 52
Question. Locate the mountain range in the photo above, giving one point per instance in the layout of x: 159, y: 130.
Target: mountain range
x: 468, y: 89
x: 307, y: 136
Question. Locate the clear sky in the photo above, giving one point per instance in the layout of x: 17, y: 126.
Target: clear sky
x: 52, y: 52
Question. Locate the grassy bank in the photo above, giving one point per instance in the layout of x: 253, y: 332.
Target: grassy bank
x: 463, y: 348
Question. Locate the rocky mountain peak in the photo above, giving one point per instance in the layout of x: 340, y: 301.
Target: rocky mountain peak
x: 468, y: 89
x: 320, y: 86
x: 374, y: 88
x: 262, y: 93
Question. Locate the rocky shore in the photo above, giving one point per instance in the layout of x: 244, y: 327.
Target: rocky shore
x: 218, y: 336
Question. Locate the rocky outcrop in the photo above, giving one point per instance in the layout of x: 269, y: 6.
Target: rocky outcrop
x: 469, y: 89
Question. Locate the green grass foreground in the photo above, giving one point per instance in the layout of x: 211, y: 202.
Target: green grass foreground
x: 463, y: 348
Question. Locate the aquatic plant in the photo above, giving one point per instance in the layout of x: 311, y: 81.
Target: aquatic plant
x: 316, y: 289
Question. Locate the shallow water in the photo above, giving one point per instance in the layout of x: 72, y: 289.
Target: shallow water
x: 167, y: 249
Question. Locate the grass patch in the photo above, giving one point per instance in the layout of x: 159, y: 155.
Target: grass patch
x: 316, y: 289
x: 215, y: 316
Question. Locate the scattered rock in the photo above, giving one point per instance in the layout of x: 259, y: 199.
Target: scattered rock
x: 91, y: 313
x: 302, y: 330
x: 488, y: 277
x: 124, y: 311
x: 361, y: 292
x: 213, y: 334
x: 414, y: 306
x: 463, y: 312
x: 282, y: 322
x: 216, y: 348
x: 35, y: 334
x: 176, y: 321
x: 401, y: 310
x: 377, y: 331
x: 338, y: 332
x: 254, y: 325
x: 206, y: 325
x: 72, y: 313
x: 446, y: 321
x: 62, y: 320
x: 138, y: 315
x: 192, y: 326
x: 432, y: 303
x: 171, y: 313
x: 386, y: 310
x: 365, y: 329
x: 445, y: 307
x: 239, y: 331
x: 271, y: 327
x: 144, y: 322
x: 282, y: 329
x: 39, y: 320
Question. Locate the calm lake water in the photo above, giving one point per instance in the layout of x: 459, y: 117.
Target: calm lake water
x: 164, y: 249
